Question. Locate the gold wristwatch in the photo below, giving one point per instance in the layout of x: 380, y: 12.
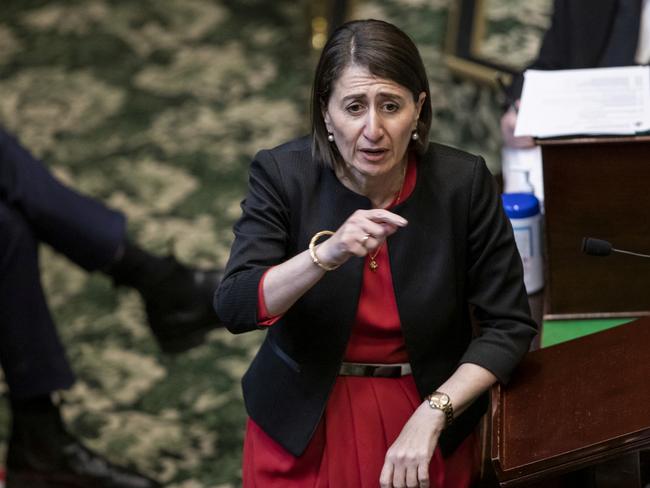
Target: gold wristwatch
x: 441, y: 401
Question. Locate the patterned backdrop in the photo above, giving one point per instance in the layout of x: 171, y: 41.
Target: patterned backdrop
x: 156, y: 107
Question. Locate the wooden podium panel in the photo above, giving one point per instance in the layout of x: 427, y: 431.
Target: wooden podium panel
x: 572, y: 405
x: 596, y: 187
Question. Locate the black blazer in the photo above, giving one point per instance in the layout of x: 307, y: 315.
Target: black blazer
x: 457, y: 250
x: 581, y: 34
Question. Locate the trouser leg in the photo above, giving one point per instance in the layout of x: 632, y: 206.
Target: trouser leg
x: 178, y: 299
x: 79, y: 227
x: 31, y: 353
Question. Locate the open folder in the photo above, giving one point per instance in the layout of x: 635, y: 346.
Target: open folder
x: 599, y: 101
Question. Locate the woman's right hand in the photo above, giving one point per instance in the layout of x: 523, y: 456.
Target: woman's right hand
x: 362, y: 233
x: 287, y: 282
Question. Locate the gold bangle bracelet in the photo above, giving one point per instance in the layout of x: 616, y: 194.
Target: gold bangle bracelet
x: 312, y: 250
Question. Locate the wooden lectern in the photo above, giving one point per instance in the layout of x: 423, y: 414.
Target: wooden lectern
x: 596, y: 187
x: 572, y: 405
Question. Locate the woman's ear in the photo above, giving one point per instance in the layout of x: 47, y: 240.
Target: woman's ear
x: 421, y: 98
x: 326, y: 119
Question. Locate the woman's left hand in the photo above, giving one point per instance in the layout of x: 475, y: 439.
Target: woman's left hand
x: 407, y: 460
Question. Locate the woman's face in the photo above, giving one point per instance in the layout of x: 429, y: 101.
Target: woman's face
x: 372, y: 120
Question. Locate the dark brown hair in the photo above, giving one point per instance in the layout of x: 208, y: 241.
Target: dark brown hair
x: 387, y: 53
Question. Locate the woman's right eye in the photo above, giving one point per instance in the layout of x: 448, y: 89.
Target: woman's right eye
x: 354, y: 108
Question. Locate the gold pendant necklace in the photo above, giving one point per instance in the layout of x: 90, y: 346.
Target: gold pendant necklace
x: 372, y: 263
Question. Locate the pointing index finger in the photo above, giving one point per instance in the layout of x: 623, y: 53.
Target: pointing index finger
x: 382, y: 216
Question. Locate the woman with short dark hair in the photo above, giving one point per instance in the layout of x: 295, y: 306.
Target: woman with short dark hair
x: 361, y: 251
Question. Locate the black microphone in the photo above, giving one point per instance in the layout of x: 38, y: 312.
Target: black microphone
x: 599, y: 247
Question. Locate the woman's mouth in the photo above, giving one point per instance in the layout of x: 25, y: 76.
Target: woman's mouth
x: 373, y: 154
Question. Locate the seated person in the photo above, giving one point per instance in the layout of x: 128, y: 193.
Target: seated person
x: 35, y: 207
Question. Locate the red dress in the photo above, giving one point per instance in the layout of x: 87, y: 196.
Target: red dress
x: 364, y: 415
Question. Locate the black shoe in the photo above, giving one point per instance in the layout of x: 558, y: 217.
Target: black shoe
x: 79, y: 468
x: 44, y: 455
x: 178, y: 299
x: 179, y: 306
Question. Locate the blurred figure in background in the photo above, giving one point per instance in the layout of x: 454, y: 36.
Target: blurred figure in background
x: 35, y: 207
x: 583, y: 34
x: 586, y: 34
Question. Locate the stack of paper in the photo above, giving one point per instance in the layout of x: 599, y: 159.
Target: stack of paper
x: 596, y: 101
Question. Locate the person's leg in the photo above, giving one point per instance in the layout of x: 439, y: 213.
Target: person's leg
x: 178, y: 298
x: 41, y: 452
x: 31, y: 354
x: 81, y: 228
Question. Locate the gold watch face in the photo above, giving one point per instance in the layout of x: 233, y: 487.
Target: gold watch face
x: 440, y: 400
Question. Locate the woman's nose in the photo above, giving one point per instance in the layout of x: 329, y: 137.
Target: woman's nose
x: 373, y: 130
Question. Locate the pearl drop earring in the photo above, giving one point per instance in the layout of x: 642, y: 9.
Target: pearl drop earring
x: 415, y: 136
x: 330, y: 137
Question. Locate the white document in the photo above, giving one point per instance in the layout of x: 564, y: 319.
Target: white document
x: 595, y: 101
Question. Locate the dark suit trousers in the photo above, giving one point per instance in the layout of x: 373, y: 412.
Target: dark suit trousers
x: 34, y: 208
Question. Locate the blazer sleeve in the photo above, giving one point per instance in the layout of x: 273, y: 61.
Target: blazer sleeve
x: 495, y: 283
x: 261, y: 237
